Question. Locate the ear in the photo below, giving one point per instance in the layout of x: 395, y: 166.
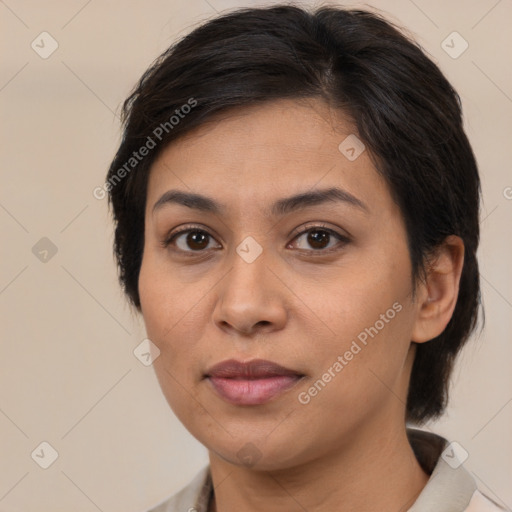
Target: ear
x: 437, y: 295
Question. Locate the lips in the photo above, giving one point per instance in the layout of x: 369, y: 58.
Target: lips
x: 255, y: 369
x: 252, y: 383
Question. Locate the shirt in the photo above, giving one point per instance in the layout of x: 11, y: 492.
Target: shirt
x: 450, y: 488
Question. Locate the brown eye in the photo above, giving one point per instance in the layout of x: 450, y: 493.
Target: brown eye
x: 318, y: 239
x: 196, y: 240
x: 190, y: 240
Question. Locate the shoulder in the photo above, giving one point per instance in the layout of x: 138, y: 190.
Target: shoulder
x: 193, y: 497
x: 481, y: 503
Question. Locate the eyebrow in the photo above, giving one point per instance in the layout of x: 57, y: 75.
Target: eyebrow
x: 279, y: 208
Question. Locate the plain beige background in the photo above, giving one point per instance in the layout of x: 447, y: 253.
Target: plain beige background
x: 68, y: 374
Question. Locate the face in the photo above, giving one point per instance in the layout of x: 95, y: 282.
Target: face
x: 320, y: 286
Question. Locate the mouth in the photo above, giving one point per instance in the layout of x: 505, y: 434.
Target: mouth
x: 252, y: 383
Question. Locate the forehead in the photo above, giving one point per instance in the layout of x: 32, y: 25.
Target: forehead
x: 267, y: 151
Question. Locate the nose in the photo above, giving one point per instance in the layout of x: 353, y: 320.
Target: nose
x: 252, y: 298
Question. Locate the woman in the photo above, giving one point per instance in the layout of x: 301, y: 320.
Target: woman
x: 296, y: 209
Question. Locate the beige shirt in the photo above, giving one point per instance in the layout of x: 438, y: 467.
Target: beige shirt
x: 451, y: 488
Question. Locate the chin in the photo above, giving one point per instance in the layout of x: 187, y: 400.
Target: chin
x: 257, y: 456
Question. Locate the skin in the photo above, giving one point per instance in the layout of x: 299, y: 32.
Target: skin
x: 347, y: 448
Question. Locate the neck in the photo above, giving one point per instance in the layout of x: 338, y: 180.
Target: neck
x: 375, y: 471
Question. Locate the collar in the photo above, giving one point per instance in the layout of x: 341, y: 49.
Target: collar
x: 450, y: 487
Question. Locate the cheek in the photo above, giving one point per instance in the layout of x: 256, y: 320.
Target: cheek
x: 163, y: 301
x: 359, y: 373
x: 154, y: 300
x: 161, y: 311
x: 171, y: 320
x: 175, y: 317
x: 366, y: 320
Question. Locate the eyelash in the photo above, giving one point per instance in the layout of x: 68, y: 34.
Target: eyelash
x: 317, y: 227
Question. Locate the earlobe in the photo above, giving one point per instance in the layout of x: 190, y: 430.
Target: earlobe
x: 438, y: 294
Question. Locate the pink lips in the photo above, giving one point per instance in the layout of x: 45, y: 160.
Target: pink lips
x: 251, y: 383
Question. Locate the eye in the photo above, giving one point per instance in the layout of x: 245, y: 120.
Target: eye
x: 319, y: 237
x: 196, y: 240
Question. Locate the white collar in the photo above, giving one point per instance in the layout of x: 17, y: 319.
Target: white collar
x: 450, y: 488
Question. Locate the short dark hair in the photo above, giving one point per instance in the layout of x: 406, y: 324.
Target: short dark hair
x: 406, y: 113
